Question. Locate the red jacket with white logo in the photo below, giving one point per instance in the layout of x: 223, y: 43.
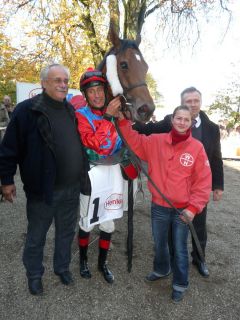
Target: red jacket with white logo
x: 180, y: 171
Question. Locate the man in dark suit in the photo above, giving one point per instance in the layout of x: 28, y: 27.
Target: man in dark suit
x: 208, y: 133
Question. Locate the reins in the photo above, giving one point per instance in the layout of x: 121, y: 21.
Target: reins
x: 138, y: 163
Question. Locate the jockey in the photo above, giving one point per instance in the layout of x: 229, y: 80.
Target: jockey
x: 101, y: 140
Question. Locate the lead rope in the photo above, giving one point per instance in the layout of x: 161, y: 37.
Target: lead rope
x: 137, y: 162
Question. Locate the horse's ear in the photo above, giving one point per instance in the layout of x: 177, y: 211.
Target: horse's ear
x: 113, y: 36
x: 138, y: 39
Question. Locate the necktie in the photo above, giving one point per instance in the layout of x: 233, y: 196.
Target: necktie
x: 194, y: 121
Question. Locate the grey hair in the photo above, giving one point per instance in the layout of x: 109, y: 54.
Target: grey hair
x: 44, y: 72
x: 189, y: 90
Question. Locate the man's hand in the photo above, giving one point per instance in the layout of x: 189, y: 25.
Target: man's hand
x: 217, y: 194
x: 9, y: 192
x: 114, y: 107
x: 189, y: 214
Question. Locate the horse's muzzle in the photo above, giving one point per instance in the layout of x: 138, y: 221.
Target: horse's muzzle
x: 140, y: 113
x: 144, y: 112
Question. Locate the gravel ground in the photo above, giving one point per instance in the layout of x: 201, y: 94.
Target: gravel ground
x: 130, y: 297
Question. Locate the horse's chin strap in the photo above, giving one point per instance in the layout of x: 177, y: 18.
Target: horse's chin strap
x: 126, y: 107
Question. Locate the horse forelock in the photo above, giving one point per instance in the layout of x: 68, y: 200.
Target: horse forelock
x: 128, y: 44
x: 131, y: 44
x: 125, y: 44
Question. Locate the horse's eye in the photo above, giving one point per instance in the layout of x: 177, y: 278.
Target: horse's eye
x: 124, y: 65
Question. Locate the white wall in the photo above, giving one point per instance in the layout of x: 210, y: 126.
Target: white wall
x: 26, y: 90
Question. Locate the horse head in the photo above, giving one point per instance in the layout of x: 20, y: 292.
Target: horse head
x: 126, y: 71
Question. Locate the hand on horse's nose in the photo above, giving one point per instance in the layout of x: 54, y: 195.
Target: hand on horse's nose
x: 113, y: 107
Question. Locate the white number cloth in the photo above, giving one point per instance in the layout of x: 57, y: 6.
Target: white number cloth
x: 106, y: 201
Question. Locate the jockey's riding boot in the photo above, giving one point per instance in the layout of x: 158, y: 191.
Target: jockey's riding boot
x: 104, y: 243
x: 84, y: 269
x: 83, y: 240
x: 102, y: 266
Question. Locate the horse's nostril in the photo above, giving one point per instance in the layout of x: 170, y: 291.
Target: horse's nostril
x: 143, y: 109
x: 144, y: 112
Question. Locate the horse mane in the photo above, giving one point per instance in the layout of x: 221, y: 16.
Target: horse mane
x: 125, y: 44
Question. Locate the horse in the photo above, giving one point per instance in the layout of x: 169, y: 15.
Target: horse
x: 126, y: 69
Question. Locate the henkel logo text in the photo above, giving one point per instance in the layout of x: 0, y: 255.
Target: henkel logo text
x: 114, y: 202
x: 186, y: 159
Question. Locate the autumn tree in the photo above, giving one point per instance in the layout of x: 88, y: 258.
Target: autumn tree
x: 74, y: 32
x: 65, y: 26
x: 227, y: 104
x: 14, y: 65
x: 156, y: 95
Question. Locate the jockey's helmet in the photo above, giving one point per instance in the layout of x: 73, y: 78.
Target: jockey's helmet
x: 91, y: 78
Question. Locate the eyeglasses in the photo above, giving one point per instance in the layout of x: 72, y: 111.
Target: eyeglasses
x: 59, y: 80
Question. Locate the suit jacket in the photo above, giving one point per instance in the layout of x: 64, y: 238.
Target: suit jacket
x: 210, y: 141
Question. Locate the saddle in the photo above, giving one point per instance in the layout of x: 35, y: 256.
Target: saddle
x: 122, y: 157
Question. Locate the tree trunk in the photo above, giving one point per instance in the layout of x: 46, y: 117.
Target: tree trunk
x: 115, y: 14
x: 134, y: 18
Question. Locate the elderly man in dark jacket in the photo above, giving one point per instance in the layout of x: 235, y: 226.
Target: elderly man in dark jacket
x: 208, y: 133
x: 42, y: 139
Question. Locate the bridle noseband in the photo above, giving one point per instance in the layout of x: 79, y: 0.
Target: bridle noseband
x: 127, y: 105
x: 133, y: 86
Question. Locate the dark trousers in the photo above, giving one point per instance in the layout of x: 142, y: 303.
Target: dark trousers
x: 200, y: 225
x: 64, y: 212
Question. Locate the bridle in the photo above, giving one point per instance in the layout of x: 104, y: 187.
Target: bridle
x: 133, y: 86
x: 126, y: 104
